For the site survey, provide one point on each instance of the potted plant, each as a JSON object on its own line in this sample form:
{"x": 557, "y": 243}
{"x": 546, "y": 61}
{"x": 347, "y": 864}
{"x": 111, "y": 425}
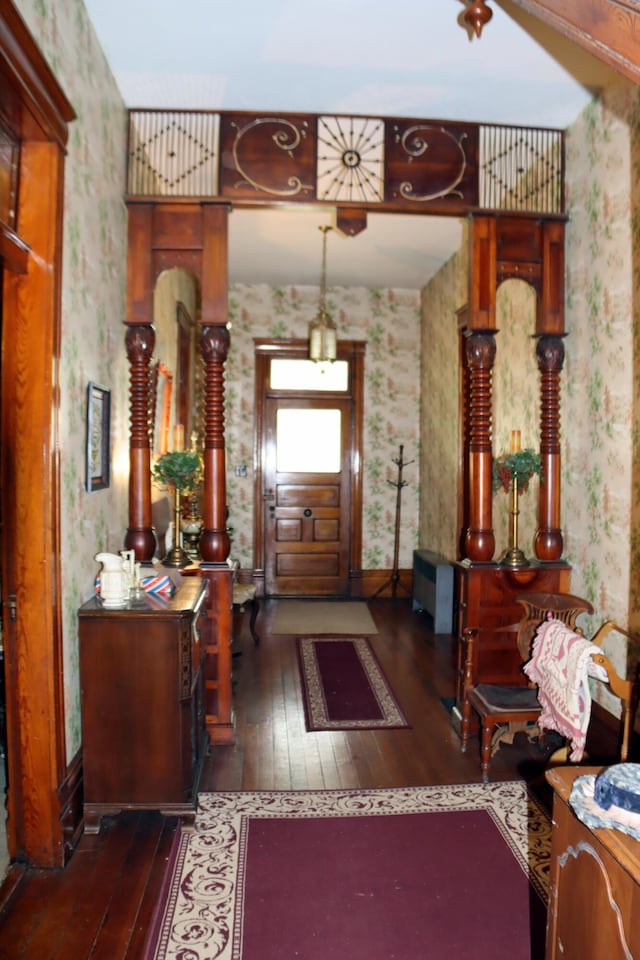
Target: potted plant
{"x": 519, "y": 465}
{"x": 180, "y": 471}
{"x": 512, "y": 472}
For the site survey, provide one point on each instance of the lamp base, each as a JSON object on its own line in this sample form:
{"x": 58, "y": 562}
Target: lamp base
{"x": 514, "y": 558}
{"x": 177, "y": 557}
{"x": 191, "y": 538}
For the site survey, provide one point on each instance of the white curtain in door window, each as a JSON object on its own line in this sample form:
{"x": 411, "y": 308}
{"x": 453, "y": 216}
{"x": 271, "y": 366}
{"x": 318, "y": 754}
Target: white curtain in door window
{"x": 308, "y": 441}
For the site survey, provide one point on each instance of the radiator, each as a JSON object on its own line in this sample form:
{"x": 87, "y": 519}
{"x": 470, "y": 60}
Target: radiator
{"x": 433, "y": 588}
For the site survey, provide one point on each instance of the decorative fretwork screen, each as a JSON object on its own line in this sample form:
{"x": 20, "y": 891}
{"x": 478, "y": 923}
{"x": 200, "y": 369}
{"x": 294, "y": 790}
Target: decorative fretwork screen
{"x": 394, "y": 164}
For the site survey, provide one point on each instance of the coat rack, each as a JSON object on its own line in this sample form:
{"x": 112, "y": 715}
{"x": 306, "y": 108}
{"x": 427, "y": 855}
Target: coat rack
{"x": 394, "y": 580}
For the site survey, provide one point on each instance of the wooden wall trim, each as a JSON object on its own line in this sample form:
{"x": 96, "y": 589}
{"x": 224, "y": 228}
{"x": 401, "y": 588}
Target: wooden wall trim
{"x": 47, "y": 109}
{"x": 31, "y": 548}
{"x": 13, "y": 252}
{"x": 36, "y": 751}
{"x": 608, "y": 29}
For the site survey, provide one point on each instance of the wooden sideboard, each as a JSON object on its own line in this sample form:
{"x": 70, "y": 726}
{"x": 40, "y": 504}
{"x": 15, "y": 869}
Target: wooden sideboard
{"x": 143, "y": 731}
{"x": 485, "y": 595}
{"x": 594, "y": 895}
{"x": 217, "y": 628}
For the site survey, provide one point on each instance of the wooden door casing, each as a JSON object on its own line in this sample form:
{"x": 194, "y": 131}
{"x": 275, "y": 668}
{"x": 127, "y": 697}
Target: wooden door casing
{"x": 324, "y": 499}
{"x": 42, "y": 802}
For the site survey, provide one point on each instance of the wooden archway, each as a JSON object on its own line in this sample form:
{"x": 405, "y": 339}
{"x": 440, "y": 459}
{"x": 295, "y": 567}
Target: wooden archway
{"x": 531, "y": 249}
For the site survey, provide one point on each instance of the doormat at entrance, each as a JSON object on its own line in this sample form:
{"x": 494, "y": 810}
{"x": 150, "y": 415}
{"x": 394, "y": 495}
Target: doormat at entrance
{"x": 344, "y": 687}
{"x": 437, "y": 871}
{"x": 310, "y": 617}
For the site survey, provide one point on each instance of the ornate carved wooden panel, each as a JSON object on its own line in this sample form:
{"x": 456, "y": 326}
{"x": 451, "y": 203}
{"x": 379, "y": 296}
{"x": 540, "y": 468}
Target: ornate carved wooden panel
{"x": 268, "y": 157}
{"x": 432, "y": 164}
{"x": 353, "y": 162}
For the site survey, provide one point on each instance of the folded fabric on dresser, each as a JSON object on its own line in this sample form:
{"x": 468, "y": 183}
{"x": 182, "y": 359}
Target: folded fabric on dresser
{"x": 561, "y": 665}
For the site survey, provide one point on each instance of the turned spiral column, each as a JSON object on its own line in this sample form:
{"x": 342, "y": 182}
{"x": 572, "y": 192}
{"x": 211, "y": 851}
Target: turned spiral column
{"x": 480, "y": 354}
{"x": 548, "y": 540}
{"x": 140, "y": 341}
{"x": 214, "y": 539}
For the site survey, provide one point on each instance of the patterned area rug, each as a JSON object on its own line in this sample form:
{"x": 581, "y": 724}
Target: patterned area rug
{"x": 311, "y": 617}
{"x": 344, "y": 687}
{"x": 419, "y": 872}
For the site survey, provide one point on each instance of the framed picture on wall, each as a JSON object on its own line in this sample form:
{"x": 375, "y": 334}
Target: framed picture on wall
{"x": 98, "y": 451}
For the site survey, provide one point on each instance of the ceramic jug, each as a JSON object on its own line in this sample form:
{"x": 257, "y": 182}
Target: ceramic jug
{"x": 114, "y": 580}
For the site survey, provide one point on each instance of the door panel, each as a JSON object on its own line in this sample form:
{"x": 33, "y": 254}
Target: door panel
{"x": 307, "y": 495}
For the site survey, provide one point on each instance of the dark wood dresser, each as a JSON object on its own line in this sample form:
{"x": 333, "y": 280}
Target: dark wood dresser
{"x": 594, "y": 895}
{"x": 143, "y": 730}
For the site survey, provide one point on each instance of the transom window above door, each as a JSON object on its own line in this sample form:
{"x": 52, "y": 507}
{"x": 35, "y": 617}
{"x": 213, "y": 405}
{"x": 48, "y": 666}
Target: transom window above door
{"x": 307, "y": 375}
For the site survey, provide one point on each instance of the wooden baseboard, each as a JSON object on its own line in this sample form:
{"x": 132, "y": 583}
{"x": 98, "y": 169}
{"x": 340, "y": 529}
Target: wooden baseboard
{"x": 362, "y": 583}
{"x": 380, "y": 583}
{"x": 70, "y": 797}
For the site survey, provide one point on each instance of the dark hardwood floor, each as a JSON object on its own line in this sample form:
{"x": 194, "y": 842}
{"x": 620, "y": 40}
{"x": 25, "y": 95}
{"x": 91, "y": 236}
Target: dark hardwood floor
{"x": 101, "y": 906}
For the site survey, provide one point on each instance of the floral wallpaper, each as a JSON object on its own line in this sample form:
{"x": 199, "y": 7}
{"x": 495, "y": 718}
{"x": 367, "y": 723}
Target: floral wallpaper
{"x": 389, "y": 322}
{"x": 93, "y": 288}
{"x": 440, "y": 428}
{"x": 516, "y": 405}
{"x": 600, "y": 383}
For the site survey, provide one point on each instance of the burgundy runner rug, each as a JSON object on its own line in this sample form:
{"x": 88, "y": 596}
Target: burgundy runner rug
{"x": 419, "y": 873}
{"x": 344, "y": 687}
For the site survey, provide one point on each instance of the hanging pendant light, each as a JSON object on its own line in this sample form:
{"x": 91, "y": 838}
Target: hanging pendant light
{"x": 323, "y": 336}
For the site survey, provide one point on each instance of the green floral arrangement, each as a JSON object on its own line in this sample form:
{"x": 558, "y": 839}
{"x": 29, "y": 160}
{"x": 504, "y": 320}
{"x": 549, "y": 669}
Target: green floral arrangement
{"x": 521, "y": 465}
{"x": 179, "y": 469}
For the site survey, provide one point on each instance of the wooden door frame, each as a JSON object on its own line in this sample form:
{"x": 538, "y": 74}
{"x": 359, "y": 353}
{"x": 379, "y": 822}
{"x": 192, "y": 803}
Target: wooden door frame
{"x": 353, "y": 351}
{"x": 34, "y": 107}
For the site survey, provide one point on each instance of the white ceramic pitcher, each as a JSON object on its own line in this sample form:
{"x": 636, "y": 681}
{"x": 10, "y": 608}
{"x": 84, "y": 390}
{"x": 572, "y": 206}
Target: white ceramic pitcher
{"x": 114, "y": 580}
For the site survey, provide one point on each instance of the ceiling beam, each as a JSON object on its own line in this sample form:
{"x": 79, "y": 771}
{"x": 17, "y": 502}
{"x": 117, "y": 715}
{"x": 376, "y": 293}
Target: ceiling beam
{"x": 608, "y": 29}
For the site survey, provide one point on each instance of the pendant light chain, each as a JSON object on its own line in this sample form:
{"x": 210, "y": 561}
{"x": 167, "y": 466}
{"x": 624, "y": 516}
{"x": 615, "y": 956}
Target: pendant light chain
{"x": 323, "y": 338}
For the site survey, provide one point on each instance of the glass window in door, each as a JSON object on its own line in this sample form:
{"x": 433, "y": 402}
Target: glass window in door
{"x": 308, "y": 441}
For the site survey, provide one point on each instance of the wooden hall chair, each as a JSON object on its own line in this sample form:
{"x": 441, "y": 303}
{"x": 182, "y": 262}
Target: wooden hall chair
{"x": 626, "y": 689}
{"x": 244, "y": 593}
{"x": 498, "y": 704}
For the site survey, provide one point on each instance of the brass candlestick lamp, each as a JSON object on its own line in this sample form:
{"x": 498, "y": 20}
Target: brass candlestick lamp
{"x": 512, "y": 473}
{"x": 180, "y": 471}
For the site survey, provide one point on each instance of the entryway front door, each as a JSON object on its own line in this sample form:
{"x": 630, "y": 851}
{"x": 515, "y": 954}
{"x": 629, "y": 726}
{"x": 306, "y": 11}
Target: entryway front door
{"x": 308, "y": 493}
{"x": 307, "y": 496}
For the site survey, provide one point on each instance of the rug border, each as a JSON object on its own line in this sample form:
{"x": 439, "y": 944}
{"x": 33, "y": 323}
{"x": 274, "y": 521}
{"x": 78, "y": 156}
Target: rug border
{"x": 394, "y": 717}
{"x": 158, "y": 931}
{"x": 214, "y": 854}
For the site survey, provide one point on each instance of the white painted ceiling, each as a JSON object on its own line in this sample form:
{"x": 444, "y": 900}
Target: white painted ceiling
{"x": 406, "y": 58}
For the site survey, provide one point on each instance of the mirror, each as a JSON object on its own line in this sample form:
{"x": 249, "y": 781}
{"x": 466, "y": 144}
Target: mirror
{"x": 176, "y": 389}
{"x": 160, "y": 421}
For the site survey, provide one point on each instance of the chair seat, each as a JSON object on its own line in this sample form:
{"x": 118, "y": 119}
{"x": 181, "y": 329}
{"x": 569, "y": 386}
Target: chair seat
{"x": 495, "y": 699}
{"x": 243, "y": 593}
